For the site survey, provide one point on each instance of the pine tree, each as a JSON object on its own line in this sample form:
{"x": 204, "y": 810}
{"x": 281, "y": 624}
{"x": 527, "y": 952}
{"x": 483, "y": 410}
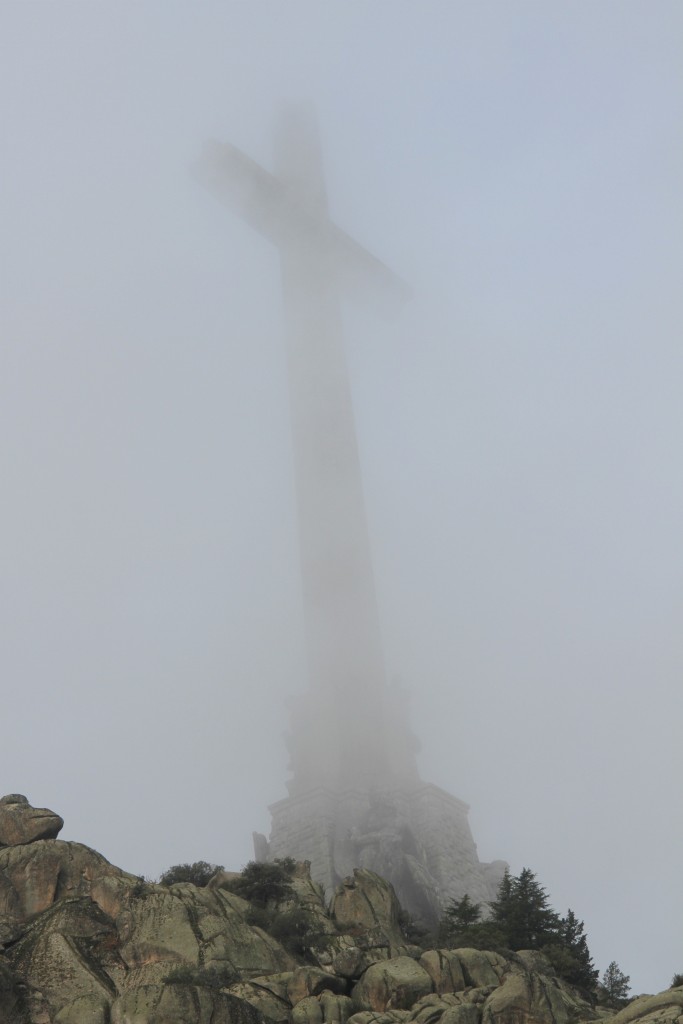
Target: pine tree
{"x": 614, "y": 987}
{"x": 462, "y": 913}
{"x": 522, "y": 913}
{"x": 521, "y": 918}
{"x": 570, "y": 955}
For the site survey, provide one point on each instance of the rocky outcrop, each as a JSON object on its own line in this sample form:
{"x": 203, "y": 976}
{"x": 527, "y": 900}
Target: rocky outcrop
{"x": 365, "y": 903}
{"x": 177, "y": 1004}
{"x": 665, "y": 1008}
{"x": 391, "y": 985}
{"x": 80, "y": 936}
{"x": 529, "y": 991}
{"x": 83, "y": 942}
{"x": 20, "y": 823}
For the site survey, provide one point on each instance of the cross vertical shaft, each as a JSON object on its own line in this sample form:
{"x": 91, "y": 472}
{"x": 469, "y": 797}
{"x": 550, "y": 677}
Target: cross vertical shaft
{"x": 340, "y": 608}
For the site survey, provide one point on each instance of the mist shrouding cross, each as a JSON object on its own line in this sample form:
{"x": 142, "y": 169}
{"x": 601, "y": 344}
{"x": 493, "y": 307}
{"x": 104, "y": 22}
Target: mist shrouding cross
{"x": 346, "y": 705}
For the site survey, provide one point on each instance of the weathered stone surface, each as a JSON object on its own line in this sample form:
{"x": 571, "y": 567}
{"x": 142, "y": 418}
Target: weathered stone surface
{"x": 184, "y": 924}
{"x": 312, "y": 981}
{"x": 349, "y": 955}
{"x": 181, "y": 1004}
{"x": 364, "y": 902}
{"x": 480, "y": 967}
{"x": 91, "y": 944}
{"x": 275, "y": 984}
{"x": 464, "y": 1013}
{"x": 308, "y": 1011}
{"x": 86, "y": 932}
{"x": 527, "y": 997}
{"x": 63, "y": 958}
{"x": 309, "y": 896}
{"x": 664, "y": 1008}
{"x": 336, "y": 1008}
{"x": 262, "y": 997}
{"x": 444, "y": 968}
{"x": 431, "y": 1008}
{"x": 10, "y": 996}
{"x": 392, "y": 985}
{"x": 370, "y": 1017}
{"x": 34, "y": 876}
{"x": 87, "y": 1009}
{"x": 20, "y": 823}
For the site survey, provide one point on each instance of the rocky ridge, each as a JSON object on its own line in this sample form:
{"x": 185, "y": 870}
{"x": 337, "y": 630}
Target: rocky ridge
{"x": 83, "y": 942}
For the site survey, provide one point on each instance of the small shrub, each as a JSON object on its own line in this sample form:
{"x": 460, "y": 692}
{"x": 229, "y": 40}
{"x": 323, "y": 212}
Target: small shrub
{"x": 413, "y": 932}
{"x": 204, "y": 977}
{"x": 198, "y": 873}
{"x": 140, "y": 887}
{"x": 263, "y": 883}
{"x": 260, "y": 917}
{"x": 294, "y": 930}
{"x": 676, "y": 981}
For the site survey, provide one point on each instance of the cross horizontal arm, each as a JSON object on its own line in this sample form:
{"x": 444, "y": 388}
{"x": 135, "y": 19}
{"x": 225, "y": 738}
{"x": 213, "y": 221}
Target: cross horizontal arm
{"x": 270, "y": 207}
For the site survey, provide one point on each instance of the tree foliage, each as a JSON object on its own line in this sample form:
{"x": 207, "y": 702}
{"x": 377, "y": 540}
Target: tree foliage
{"x": 215, "y": 977}
{"x": 294, "y": 929}
{"x": 198, "y": 873}
{"x": 264, "y": 883}
{"x": 614, "y": 988}
{"x": 570, "y": 955}
{"x": 521, "y": 909}
{"x": 521, "y": 918}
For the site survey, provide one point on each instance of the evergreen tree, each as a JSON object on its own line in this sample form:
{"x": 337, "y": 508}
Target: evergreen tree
{"x": 614, "y": 987}
{"x": 461, "y": 926}
{"x": 521, "y": 918}
{"x": 460, "y": 914}
{"x": 522, "y": 913}
{"x": 570, "y": 955}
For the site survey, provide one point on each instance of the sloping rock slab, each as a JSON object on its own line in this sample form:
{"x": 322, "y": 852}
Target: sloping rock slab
{"x": 526, "y": 997}
{"x": 367, "y": 903}
{"x": 181, "y": 1004}
{"x": 660, "y": 1009}
{"x": 444, "y": 968}
{"x": 33, "y": 877}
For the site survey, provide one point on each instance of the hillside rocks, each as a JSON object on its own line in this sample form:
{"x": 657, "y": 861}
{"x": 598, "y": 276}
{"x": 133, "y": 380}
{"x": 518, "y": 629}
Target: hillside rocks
{"x": 83, "y": 942}
{"x": 87, "y": 943}
{"x": 177, "y": 1004}
{"x": 665, "y": 1008}
{"x": 530, "y": 991}
{"x": 455, "y": 970}
{"x": 393, "y": 984}
{"x": 20, "y": 823}
{"x": 364, "y": 902}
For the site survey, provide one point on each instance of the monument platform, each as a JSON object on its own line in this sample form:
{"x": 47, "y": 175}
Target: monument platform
{"x": 416, "y": 836}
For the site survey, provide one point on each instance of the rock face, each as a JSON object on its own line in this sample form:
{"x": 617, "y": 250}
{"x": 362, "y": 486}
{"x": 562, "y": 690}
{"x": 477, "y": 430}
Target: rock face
{"x": 20, "y": 823}
{"x": 86, "y": 942}
{"x": 83, "y": 942}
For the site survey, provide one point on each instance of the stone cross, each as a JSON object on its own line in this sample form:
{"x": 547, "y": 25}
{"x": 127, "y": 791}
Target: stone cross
{"x": 318, "y": 260}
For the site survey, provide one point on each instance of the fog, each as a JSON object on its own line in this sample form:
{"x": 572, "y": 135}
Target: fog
{"x": 519, "y": 425}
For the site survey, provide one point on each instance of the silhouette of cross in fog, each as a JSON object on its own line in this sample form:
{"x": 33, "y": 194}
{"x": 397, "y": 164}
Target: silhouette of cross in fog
{"x": 318, "y": 260}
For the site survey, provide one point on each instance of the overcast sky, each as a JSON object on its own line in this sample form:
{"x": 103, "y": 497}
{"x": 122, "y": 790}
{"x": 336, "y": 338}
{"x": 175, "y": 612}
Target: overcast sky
{"x": 519, "y": 164}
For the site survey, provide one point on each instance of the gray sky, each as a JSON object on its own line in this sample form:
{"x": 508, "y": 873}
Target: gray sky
{"x": 519, "y": 163}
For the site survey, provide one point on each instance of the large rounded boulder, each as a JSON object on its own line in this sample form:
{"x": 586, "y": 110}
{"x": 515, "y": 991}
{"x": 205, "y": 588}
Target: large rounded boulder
{"x": 20, "y": 823}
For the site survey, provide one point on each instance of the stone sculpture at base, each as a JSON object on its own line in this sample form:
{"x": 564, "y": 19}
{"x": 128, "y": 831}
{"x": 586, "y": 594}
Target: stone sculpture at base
{"x": 418, "y": 837}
